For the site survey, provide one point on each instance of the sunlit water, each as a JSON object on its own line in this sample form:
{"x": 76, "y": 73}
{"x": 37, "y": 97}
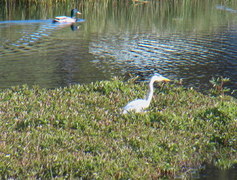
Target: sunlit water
{"x": 123, "y": 39}
{"x": 194, "y": 59}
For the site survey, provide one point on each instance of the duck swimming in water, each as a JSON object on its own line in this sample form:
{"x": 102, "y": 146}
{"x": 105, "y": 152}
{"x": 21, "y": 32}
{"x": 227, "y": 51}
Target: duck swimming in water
{"x": 65, "y": 19}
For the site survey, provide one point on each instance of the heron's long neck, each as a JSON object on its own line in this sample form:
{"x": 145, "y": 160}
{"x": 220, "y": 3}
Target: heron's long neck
{"x": 150, "y": 93}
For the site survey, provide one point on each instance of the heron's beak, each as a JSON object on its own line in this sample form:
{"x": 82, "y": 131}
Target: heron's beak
{"x": 166, "y": 79}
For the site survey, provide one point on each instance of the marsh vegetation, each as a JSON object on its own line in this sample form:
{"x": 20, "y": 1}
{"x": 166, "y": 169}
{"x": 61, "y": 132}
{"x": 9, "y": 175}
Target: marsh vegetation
{"x": 79, "y": 131}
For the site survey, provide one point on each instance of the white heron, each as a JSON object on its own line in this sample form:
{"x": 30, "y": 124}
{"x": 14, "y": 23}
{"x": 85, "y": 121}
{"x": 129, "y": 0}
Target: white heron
{"x": 138, "y": 105}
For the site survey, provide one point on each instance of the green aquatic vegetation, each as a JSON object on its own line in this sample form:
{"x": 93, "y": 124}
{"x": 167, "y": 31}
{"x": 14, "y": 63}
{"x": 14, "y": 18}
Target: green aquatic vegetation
{"x": 79, "y": 132}
{"x": 218, "y": 85}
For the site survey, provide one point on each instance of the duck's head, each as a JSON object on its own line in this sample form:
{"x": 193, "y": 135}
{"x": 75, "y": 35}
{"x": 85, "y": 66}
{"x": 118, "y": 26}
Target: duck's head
{"x": 74, "y": 12}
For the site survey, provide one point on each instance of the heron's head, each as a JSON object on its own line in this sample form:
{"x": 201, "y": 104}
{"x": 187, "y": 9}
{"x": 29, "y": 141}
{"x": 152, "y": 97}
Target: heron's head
{"x": 159, "y": 78}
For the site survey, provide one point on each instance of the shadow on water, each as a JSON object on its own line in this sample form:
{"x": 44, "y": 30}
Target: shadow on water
{"x": 211, "y": 172}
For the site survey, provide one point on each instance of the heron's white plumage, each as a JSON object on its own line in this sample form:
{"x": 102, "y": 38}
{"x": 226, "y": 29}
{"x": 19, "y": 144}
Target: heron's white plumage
{"x": 139, "y": 105}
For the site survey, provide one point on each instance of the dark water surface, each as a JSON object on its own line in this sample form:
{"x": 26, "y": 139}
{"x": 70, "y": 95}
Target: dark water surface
{"x": 213, "y": 173}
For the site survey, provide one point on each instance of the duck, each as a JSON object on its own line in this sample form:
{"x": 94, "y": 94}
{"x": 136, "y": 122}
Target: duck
{"x": 65, "y": 19}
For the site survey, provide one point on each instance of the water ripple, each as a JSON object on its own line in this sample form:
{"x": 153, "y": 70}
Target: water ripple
{"x": 193, "y": 58}
{"x": 34, "y": 34}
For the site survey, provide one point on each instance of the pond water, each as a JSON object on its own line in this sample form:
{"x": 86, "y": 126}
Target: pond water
{"x": 213, "y": 173}
{"x": 193, "y": 41}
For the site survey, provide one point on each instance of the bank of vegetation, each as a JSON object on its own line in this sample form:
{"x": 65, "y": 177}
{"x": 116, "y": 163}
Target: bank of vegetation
{"x": 79, "y": 132}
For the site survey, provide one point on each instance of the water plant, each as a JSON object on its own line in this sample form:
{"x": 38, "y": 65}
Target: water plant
{"x": 218, "y": 85}
{"x": 80, "y": 132}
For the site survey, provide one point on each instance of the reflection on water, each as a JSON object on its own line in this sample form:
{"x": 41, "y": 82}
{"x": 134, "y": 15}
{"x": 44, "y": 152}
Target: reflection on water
{"x": 32, "y": 32}
{"x": 119, "y": 38}
{"x": 194, "y": 59}
{"x": 224, "y": 8}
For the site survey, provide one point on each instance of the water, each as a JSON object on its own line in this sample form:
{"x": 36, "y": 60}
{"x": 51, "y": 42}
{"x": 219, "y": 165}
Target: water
{"x": 211, "y": 172}
{"x": 117, "y": 39}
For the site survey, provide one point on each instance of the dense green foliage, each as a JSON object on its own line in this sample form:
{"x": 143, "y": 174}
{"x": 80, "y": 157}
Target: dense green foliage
{"x": 79, "y": 131}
